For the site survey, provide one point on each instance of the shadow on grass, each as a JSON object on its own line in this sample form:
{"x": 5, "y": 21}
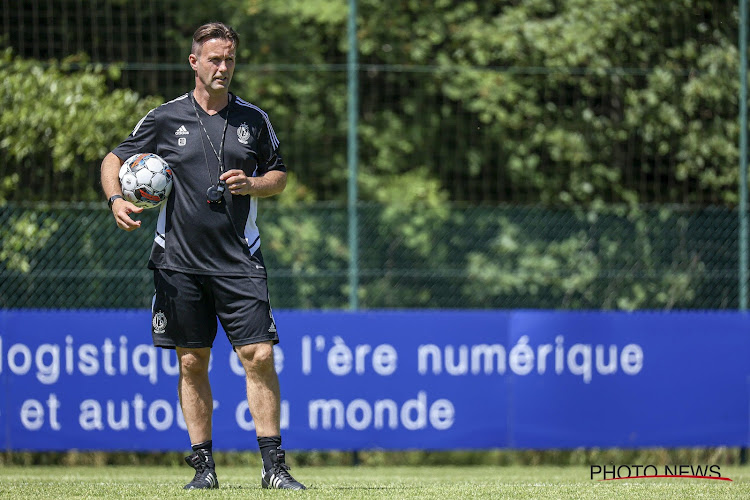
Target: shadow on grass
{"x": 341, "y": 488}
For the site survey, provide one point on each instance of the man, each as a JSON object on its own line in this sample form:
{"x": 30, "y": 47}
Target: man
{"x": 206, "y": 253}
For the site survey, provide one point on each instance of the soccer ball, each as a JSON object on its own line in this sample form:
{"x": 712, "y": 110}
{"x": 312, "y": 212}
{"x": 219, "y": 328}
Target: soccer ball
{"x": 146, "y": 180}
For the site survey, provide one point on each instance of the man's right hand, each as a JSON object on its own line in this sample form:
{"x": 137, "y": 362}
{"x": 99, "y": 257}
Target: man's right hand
{"x": 122, "y": 209}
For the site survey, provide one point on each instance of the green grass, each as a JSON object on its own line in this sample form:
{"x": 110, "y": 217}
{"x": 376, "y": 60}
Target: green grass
{"x": 435, "y": 483}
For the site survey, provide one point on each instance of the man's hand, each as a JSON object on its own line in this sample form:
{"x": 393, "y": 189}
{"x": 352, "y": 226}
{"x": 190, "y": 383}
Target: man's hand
{"x": 122, "y": 209}
{"x": 237, "y": 182}
{"x": 268, "y": 184}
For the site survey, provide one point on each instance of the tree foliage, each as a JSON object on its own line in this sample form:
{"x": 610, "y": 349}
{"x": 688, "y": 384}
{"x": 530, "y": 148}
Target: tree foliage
{"x": 587, "y": 100}
{"x": 579, "y": 105}
{"x": 556, "y": 102}
{"x": 57, "y": 124}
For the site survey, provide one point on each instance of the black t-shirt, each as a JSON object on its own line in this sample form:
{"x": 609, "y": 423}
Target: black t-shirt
{"x": 192, "y": 235}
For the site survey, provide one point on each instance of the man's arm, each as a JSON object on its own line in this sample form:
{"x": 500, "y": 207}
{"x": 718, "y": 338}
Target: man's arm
{"x": 268, "y": 184}
{"x": 121, "y": 208}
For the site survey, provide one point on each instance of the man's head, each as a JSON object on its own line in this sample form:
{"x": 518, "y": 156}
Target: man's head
{"x": 213, "y": 57}
{"x": 210, "y": 31}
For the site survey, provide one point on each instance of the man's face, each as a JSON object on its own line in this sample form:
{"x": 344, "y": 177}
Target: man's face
{"x": 214, "y": 65}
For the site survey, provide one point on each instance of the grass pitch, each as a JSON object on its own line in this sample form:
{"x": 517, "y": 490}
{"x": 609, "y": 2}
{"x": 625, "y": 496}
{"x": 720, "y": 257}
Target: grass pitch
{"x": 435, "y": 483}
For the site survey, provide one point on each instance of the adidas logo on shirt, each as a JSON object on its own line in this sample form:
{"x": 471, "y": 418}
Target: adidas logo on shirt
{"x": 181, "y": 131}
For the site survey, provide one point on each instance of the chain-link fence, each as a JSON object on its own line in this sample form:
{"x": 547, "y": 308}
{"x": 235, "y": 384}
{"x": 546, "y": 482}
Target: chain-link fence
{"x": 511, "y": 154}
{"x": 454, "y": 257}
{"x": 494, "y": 108}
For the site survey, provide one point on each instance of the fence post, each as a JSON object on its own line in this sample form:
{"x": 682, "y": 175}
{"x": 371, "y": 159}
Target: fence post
{"x": 743, "y": 157}
{"x": 743, "y": 173}
{"x": 353, "y": 114}
{"x": 351, "y": 148}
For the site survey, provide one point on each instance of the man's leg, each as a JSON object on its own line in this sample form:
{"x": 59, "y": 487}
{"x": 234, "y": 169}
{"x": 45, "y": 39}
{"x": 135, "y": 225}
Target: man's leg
{"x": 264, "y": 401}
{"x": 263, "y": 396}
{"x": 196, "y": 400}
{"x": 194, "y": 390}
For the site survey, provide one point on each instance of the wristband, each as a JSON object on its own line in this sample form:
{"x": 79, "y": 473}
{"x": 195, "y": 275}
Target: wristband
{"x": 113, "y": 198}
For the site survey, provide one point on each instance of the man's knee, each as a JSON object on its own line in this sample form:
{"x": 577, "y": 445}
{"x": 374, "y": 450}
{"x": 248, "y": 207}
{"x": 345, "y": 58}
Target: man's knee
{"x": 256, "y": 358}
{"x": 194, "y": 362}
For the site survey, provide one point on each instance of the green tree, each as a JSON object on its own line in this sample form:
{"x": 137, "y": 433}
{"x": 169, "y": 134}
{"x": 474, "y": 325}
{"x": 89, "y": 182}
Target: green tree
{"x": 572, "y": 105}
{"x": 57, "y": 124}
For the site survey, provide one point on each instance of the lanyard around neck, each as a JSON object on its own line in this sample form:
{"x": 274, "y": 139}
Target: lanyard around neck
{"x": 220, "y": 154}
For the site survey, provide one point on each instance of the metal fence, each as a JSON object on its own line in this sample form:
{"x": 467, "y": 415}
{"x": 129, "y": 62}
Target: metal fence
{"x": 528, "y": 186}
{"x": 454, "y": 257}
{"x": 661, "y": 130}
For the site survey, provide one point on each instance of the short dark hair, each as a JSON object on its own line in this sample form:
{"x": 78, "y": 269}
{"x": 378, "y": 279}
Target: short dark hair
{"x": 210, "y": 31}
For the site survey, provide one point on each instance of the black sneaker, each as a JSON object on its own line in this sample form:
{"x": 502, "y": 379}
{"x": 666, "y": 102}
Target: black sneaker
{"x": 278, "y": 476}
{"x": 205, "y": 471}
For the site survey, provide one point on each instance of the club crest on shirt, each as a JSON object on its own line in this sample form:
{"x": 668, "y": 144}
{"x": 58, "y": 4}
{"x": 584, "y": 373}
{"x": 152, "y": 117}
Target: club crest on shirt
{"x": 243, "y": 133}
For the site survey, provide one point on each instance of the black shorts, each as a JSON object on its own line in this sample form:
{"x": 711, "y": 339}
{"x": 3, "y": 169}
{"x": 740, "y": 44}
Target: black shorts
{"x": 185, "y": 308}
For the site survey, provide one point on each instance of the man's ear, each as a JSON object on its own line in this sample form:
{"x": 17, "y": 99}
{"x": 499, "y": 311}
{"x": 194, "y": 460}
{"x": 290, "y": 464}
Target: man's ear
{"x": 193, "y": 59}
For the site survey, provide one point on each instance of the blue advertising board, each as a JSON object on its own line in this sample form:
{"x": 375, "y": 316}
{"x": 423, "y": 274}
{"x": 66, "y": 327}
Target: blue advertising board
{"x": 91, "y": 380}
